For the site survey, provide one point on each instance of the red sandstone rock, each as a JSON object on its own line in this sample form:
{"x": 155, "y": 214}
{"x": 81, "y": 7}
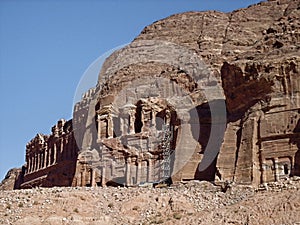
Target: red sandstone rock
{"x": 167, "y": 93}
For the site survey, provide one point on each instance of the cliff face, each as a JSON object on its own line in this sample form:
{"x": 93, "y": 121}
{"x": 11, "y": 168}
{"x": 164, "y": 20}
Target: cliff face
{"x": 198, "y": 95}
{"x": 254, "y": 55}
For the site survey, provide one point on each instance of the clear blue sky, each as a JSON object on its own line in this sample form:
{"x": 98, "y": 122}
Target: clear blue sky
{"x": 45, "y": 47}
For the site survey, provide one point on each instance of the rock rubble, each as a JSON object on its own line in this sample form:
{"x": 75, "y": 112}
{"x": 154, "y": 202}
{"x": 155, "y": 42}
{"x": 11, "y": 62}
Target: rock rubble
{"x": 192, "y": 202}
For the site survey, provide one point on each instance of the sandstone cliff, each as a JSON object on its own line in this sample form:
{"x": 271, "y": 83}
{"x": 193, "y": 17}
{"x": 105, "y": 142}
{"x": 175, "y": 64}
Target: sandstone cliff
{"x": 224, "y": 86}
{"x": 254, "y": 54}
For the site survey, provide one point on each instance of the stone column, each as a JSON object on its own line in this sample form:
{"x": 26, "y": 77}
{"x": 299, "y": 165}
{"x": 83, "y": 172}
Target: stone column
{"x": 41, "y": 160}
{"x": 49, "y": 156}
{"x": 132, "y": 119}
{"x": 110, "y": 128}
{"x": 83, "y": 183}
{"x": 292, "y": 166}
{"x": 138, "y": 172}
{"x": 35, "y": 161}
{"x": 103, "y": 183}
{"x": 93, "y": 178}
{"x": 61, "y": 150}
{"x": 31, "y": 162}
{"x": 127, "y": 172}
{"x": 122, "y": 125}
{"x": 46, "y": 158}
{"x": 263, "y": 172}
{"x": 131, "y": 124}
{"x": 168, "y": 117}
{"x": 54, "y": 153}
{"x": 276, "y": 169}
{"x": 28, "y": 164}
{"x": 149, "y": 171}
{"x": 38, "y": 161}
{"x": 99, "y": 127}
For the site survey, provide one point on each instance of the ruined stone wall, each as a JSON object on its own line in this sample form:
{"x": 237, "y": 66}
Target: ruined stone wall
{"x": 50, "y": 159}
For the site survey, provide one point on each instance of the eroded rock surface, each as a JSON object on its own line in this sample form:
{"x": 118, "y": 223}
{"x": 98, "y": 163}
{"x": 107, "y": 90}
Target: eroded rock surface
{"x": 217, "y": 92}
{"x": 191, "y": 202}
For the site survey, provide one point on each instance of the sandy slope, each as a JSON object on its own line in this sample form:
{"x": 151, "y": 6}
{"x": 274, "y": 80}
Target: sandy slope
{"x": 190, "y": 203}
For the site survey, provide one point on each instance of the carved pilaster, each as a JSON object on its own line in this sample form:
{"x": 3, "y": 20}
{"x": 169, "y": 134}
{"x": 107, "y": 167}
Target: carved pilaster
{"x": 93, "y": 178}
{"x": 28, "y": 160}
{"x": 41, "y": 159}
{"x": 149, "y": 170}
{"x": 61, "y": 157}
{"x": 127, "y": 172}
{"x": 30, "y": 163}
{"x": 103, "y": 182}
{"x": 36, "y": 161}
{"x": 110, "y": 129}
{"x": 263, "y": 172}
{"x": 45, "y": 158}
{"x": 138, "y": 172}
{"x": 49, "y": 156}
{"x": 99, "y": 127}
{"x": 292, "y": 166}
{"x": 54, "y": 153}
{"x": 276, "y": 169}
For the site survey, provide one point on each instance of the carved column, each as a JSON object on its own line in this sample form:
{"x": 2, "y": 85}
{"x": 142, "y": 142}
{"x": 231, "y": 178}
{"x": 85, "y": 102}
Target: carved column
{"x": 263, "y": 172}
{"x": 138, "y": 172}
{"x": 61, "y": 157}
{"x": 127, "y": 172}
{"x": 276, "y": 169}
{"x": 31, "y": 162}
{"x": 168, "y": 117}
{"x": 131, "y": 124}
{"x": 28, "y": 164}
{"x": 54, "y": 153}
{"x": 99, "y": 126}
{"x": 35, "y": 161}
{"x": 49, "y": 156}
{"x": 292, "y": 166}
{"x": 41, "y": 159}
{"x": 83, "y": 183}
{"x": 110, "y": 128}
{"x": 149, "y": 170}
{"x": 93, "y": 178}
{"x": 103, "y": 183}
{"x": 131, "y": 112}
{"x": 46, "y": 158}
{"x": 122, "y": 124}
